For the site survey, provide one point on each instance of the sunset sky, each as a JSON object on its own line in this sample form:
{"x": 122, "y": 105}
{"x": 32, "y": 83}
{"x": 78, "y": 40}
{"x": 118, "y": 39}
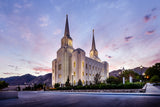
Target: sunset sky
{"x": 127, "y": 32}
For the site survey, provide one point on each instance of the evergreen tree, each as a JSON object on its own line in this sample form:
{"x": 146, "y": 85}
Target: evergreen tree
{"x": 97, "y": 78}
{"x": 79, "y": 82}
{"x": 68, "y": 83}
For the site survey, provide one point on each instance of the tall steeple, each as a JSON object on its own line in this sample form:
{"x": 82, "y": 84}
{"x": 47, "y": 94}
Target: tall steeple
{"x": 66, "y": 41}
{"x": 93, "y": 51}
{"x": 66, "y": 32}
{"x": 93, "y": 42}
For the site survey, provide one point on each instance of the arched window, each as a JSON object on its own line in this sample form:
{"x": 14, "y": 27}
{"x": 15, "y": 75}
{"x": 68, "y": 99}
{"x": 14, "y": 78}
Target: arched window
{"x": 59, "y": 76}
{"x": 82, "y": 63}
{"x": 74, "y": 64}
{"x": 74, "y": 82}
{"x": 82, "y": 81}
{"x": 83, "y": 73}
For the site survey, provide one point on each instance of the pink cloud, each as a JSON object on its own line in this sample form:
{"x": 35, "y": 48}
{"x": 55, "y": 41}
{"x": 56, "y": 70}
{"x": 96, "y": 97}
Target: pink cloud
{"x": 42, "y": 69}
{"x": 154, "y": 17}
{"x": 11, "y": 73}
{"x": 150, "y": 32}
{"x": 155, "y": 61}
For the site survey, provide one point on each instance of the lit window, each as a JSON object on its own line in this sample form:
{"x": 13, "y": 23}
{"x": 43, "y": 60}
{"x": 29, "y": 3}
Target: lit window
{"x": 82, "y": 73}
{"x": 74, "y": 82}
{"x": 59, "y": 67}
{"x": 74, "y": 73}
{"x": 89, "y": 74}
{"x": 82, "y": 81}
{"x": 82, "y": 63}
{"x": 59, "y": 76}
{"x": 74, "y": 64}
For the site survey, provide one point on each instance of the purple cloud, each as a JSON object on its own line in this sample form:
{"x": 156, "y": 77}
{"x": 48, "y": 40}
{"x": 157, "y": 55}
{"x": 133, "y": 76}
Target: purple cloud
{"x": 147, "y": 17}
{"x": 154, "y": 9}
{"x": 108, "y": 56}
{"x": 128, "y": 38}
{"x": 10, "y": 73}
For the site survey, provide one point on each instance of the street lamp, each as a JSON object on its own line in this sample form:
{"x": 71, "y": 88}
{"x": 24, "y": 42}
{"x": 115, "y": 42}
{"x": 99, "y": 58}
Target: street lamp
{"x": 141, "y": 71}
{"x": 123, "y": 75}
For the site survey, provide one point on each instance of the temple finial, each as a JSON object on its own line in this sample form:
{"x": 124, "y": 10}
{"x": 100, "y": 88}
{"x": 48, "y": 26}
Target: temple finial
{"x": 67, "y": 33}
{"x": 93, "y": 42}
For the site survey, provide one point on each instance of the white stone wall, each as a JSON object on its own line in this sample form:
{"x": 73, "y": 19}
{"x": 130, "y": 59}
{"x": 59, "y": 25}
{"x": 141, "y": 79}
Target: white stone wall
{"x": 54, "y": 71}
{"x": 78, "y": 66}
{"x": 67, "y": 57}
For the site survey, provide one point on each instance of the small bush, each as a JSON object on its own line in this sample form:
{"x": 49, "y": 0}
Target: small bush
{"x": 79, "y": 82}
{"x": 56, "y": 85}
{"x": 113, "y": 80}
{"x": 155, "y": 79}
{"x": 3, "y": 84}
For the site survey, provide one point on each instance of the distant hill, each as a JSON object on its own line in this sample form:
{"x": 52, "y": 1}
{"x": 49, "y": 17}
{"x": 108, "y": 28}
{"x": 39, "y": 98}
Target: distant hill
{"x": 137, "y": 70}
{"x": 29, "y": 79}
{"x": 47, "y": 79}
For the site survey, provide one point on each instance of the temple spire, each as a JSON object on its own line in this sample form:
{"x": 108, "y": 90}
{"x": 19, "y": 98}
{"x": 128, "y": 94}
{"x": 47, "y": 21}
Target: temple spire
{"x": 93, "y": 42}
{"x": 66, "y": 33}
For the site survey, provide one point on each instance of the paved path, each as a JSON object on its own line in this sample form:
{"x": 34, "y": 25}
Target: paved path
{"x": 152, "y": 89}
{"x": 71, "y": 99}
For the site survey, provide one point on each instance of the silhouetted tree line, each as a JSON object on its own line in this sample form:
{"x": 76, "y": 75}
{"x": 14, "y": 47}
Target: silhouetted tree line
{"x": 3, "y": 84}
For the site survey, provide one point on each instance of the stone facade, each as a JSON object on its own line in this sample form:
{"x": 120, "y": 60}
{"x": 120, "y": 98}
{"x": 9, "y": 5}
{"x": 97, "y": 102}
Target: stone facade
{"x": 74, "y": 63}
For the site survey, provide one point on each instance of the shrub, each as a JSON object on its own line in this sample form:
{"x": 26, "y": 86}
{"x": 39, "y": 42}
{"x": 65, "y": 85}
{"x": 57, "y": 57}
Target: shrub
{"x": 56, "y": 85}
{"x": 3, "y": 84}
{"x": 155, "y": 79}
{"x": 113, "y": 80}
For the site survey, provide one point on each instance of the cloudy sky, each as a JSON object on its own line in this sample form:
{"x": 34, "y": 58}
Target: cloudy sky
{"x": 127, "y": 32}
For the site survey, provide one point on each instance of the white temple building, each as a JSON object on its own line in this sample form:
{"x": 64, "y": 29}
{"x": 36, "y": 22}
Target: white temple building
{"x": 74, "y": 63}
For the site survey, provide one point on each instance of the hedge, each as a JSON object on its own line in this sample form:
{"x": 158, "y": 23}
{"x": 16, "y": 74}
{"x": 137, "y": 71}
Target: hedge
{"x": 136, "y": 85}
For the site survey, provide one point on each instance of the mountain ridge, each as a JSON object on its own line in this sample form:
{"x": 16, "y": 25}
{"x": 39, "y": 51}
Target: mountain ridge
{"x": 46, "y": 79}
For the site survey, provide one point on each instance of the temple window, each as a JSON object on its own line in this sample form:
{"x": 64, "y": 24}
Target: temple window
{"x": 82, "y": 73}
{"x": 59, "y": 67}
{"x": 59, "y": 76}
{"x": 74, "y": 64}
{"x": 82, "y": 63}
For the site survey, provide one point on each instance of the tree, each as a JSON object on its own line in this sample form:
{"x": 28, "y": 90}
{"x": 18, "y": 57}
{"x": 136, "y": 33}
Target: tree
{"x": 154, "y": 70}
{"x": 67, "y": 82}
{"x": 79, "y": 82}
{"x": 128, "y": 73}
{"x": 155, "y": 79}
{"x": 3, "y": 84}
{"x": 97, "y": 78}
{"x": 113, "y": 80}
{"x": 56, "y": 85}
